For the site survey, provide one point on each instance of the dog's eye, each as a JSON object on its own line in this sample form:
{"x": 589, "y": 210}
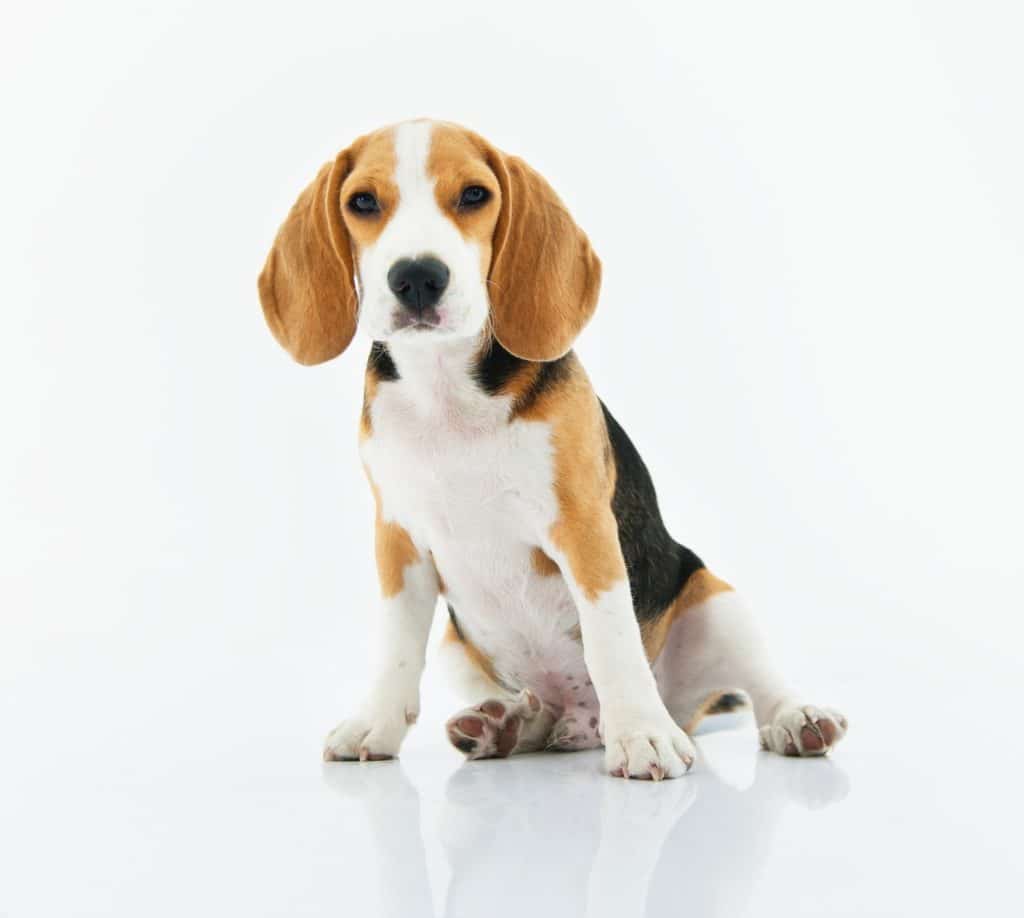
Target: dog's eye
{"x": 363, "y": 203}
{"x": 473, "y": 196}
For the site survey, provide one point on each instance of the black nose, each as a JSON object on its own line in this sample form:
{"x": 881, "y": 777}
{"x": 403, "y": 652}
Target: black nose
{"x": 418, "y": 283}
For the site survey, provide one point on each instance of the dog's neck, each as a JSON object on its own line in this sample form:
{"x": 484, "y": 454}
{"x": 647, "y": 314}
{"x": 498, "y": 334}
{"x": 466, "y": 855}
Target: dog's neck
{"x": 455, "y": 381}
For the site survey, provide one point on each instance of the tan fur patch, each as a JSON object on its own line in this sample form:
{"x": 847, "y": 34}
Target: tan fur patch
{"x": 542, "y": 564}
{"x": 394, "y": 547}
{"x": 373, "y": 170}
{"x": 475, "y": 655}
{"x": 307, "y": 286}
{"x": 544, "y": 276}
{"x": 585, "y": 531}
{"x": 370, "y": 385}
{"x": 520, "y": 383}
{"x": 700, "y": 585}
{"x": 457, "y": 160}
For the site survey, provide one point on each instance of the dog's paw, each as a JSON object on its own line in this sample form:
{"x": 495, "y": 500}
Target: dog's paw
{"x": 648, "y": 751}
{"x": 803, "y": 730}
{"x": 367, "y": 737}
{"x": 492, "y": 730}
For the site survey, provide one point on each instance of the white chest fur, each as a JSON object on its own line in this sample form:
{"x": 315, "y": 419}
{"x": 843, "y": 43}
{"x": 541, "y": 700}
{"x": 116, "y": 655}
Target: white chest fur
{"x": 477, "y": 493}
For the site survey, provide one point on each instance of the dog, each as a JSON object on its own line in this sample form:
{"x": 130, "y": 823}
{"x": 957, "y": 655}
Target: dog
{"x": 501, "y": 482}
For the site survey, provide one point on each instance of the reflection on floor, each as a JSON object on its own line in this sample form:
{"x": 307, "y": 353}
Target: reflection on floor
{"x": 550, "y": 834}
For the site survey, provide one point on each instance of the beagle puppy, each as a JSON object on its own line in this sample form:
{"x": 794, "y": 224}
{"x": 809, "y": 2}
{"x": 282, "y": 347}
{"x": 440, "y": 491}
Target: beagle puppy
{"x": 502, "y": 483}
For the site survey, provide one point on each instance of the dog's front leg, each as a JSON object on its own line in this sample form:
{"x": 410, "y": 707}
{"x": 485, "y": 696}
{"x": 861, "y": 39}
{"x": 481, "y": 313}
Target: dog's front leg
{"x": 641, "y": 739}
{"x": 409, "y": 586}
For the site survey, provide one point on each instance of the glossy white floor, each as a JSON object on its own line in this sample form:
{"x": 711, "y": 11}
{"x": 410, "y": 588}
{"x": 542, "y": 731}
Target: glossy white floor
{"x": 177, "y": 772}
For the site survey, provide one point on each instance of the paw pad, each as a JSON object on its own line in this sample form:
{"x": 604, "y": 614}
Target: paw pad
{"x": 493, "y": 709}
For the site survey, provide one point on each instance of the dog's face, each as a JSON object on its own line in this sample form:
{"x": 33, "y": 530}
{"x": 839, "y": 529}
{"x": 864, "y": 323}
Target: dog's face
{"x": 424, "y": 231}
{"x": 420, "y": 206}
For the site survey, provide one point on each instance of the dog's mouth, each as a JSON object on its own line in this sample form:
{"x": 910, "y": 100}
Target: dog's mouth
{"x": 426, "y": 320}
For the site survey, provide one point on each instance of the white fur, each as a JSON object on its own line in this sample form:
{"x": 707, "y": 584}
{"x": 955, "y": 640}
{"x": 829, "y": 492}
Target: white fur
{"x": 392, "y": 702}
{"x": 716, "y": 646}
{"x": 476, "y": 492}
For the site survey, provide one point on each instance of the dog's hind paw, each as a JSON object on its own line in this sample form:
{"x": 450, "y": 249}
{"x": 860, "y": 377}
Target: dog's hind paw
{"x": 803, "y": 730}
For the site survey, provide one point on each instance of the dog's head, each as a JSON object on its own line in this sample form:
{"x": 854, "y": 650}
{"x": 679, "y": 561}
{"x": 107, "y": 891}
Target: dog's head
{"x": 426, "y": 231}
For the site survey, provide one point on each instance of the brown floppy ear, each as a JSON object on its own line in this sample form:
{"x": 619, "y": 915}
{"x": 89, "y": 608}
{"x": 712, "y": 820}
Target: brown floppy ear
{"x": 306, "y": 286}
{"x": 544, "y": 276}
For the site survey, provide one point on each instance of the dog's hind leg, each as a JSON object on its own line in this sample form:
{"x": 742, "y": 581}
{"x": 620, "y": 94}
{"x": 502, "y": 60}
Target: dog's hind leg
{"x": 711, "y": 653}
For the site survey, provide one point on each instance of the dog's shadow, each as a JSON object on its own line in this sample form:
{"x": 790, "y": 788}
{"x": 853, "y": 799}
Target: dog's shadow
{"x": 551, "y": 834}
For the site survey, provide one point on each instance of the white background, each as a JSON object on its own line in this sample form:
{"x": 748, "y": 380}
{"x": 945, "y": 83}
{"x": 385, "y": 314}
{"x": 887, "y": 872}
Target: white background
{"x": 810, "y": 217}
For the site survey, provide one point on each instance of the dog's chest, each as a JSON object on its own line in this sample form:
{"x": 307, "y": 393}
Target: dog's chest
{"x": 478, "y": 493}
{"x": 448, "y": 478}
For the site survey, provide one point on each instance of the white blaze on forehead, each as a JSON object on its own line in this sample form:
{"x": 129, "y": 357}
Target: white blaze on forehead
{"x": 412, "y": 149}
{"x": 418, "y": 225}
